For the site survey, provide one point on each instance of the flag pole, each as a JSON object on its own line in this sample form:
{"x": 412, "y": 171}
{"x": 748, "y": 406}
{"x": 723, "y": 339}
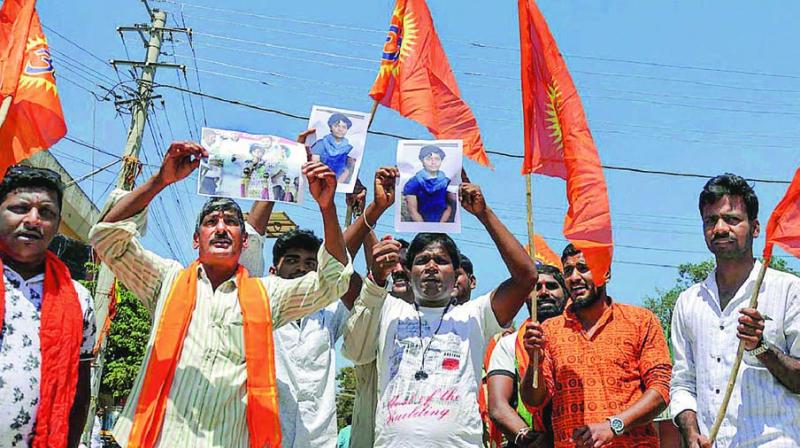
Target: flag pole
{"x": 348, "y": 217}
{"x": 4, "y": 106}
{"x": 739, "y": 353}
{"x": 532, "y": 251}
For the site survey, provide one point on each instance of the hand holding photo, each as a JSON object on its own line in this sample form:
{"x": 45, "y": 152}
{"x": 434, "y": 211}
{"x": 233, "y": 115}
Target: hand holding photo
{"x": 430, "y": 174}
{"x": 248, "y": 166}
{"x": 339, "y": 142}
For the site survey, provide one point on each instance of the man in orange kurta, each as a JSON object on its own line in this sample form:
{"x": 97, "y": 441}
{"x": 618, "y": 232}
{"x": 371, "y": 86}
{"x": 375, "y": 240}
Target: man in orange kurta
{"x": 605, "y": 366}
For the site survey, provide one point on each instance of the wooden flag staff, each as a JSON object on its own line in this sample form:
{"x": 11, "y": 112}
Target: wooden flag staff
{"x": 532, "y": 251}
{"x": 739, "y": 353}
{"x": 348, "y": 217}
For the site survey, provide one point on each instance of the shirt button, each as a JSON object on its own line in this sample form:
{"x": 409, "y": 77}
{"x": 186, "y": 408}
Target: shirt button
{"x": 717, "y": 391}
{"x": 722, "y": 327}
{"x": 719, "y": 359}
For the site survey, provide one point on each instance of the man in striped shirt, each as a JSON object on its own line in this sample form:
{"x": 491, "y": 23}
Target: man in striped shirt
{"x": 711, "y": 317}
{"x": 207, "y": 400}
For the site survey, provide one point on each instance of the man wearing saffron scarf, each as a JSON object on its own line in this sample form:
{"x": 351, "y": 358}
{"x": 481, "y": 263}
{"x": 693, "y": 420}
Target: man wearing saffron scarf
{"x": 426, "y": 196}
{"x": 47, "y": 320}
{"x": 334, "y": 149}
{"x": 208, "y": 376}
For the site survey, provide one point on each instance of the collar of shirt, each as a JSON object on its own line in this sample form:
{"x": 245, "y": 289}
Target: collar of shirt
{"x": 230, "y": 283}
{"x": 573, "y": 322}
{"x": 711, "y": 287}
{"x": 31, "y": 289}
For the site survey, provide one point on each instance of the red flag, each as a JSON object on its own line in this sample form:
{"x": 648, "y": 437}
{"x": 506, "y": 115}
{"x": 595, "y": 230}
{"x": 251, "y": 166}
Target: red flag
{"x": 558, "y": 142}
{"x": 415, "y": 79}
{"x": 783, "y": 227}
{"x": 34, "y": 121}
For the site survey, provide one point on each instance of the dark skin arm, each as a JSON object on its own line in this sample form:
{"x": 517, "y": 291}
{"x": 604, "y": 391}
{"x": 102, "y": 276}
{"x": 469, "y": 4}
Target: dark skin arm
{"x": 322, "y": 185}
{"x": 643, "y": 411}
{"x": 509, "y": 297}
{"x": 181, "y": 159}
{"x": 690, "y": 431}
{"x": 383, "y": 198}
{"x": 80, "y": 407}
{"x": 501, "y": 390}
{"x": 785, "y": 368}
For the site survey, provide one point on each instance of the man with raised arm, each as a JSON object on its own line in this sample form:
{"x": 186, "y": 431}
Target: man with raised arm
{"x": 429, "y": 353}
{"x": 711, "y": 317}
{"x": 208, "y": 376}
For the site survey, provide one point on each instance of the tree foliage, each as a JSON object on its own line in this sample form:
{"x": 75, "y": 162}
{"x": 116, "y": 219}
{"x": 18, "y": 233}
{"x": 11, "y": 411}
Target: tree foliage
{"x": 345, "y": 395}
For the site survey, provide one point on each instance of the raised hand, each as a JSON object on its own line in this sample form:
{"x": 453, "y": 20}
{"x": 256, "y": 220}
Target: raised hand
{"x": 385, "y": 181}
{"x": 533, "y": 339}
{"x": 180, "y": 160}
{"x": 472, "y": 199}
{"x": 321, "y": 182}
{"x": 357, "y": 198}
{"x": 301, "y": 138}
{"x": 385, "y": 255}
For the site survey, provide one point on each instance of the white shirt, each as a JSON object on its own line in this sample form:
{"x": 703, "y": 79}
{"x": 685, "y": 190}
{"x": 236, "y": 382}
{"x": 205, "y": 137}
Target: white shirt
{"x": 762, "y": 412}
{"x": 21, "y": 356}
{"x": 504, "y": 356}
{"x": 440, "y": 410}
{"x": 305, "y": 364}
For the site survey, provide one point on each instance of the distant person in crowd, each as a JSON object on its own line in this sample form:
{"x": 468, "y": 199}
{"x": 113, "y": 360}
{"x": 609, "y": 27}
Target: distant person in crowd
{"x": 255, "y": 178}
{"x": 711, "y": 317}
{"x": 429, "y": 353}
{"x": 213, "y": 382}
{"x": 343, "y": 441}
{"x": 425, "y": 195}
{"x": 604, "y": 366}
{"x": 465, "y": 281}
{"x": 510, "y": 417}
{"x": 47, "y": 323}
{"x": 334, "y": 149}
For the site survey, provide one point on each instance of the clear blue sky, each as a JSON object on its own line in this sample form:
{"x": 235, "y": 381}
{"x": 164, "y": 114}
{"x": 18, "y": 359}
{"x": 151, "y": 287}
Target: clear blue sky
{"x": 705, "y": 89}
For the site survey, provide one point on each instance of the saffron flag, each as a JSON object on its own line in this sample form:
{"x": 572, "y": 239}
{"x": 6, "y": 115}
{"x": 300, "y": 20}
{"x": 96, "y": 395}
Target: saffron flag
{"x": 544, "y": 254}
{"x": 416, "y": 80}
{"x": 34, "y": 120}
{"x": 783, "y": 227}
{"x": 558, "y": 142}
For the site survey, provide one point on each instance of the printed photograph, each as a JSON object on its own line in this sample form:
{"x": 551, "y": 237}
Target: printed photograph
{"x": 430, "y": 175}
{"x": 249, "y": 166}
{"x": 339, "y": 142}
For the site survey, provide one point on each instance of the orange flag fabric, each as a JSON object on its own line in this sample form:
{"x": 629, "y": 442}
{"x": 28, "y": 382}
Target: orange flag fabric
{"x": 416, "y": 80}
{"x": 34, "y": 121}
{"x": 544, "y": 254}
{"x": 783, "y": 227}
{"x": 558, "y": 142}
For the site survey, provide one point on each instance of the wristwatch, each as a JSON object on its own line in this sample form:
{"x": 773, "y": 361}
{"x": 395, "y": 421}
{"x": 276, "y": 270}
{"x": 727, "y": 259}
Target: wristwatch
{"x": 617, "y": 425}
{"x": 762, "y": 347}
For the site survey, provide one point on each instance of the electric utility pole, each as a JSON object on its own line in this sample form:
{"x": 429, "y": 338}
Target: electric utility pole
{"x": 152, "y": 35}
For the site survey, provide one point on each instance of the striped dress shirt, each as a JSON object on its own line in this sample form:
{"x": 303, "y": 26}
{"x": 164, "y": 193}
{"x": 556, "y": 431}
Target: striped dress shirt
{"x": 762, "y": 412}
{"x": 207, "y": 400}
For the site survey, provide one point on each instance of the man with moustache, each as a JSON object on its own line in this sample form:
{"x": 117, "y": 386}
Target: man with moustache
{"x": 605, "y": 366}
{"x": 510, "y": 417}
{"x": 711, "y": 317}
{"x": 208, "y": 375}
{"x": 47, "y": 324}
{"x": 429, "y": 353}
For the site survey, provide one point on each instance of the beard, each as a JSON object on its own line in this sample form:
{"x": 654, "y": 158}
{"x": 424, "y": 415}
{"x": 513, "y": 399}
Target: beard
{"x": 587, "y": 301}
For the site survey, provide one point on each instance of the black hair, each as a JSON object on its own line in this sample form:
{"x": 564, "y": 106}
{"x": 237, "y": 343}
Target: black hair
{"x": 295, "y": 239}
{"x": 337, "y": 117}
{"x": 403, "y": 243}
{"x": 555, "y": 272}
{"x": 423, "y": 240}
{"x": 430, "y": 149}
{"x": 23, "y": 176}
{"x": 730, "y": 185}
{"x": 217, "y": 204}
{"x": 466, "y": 264}
{"x": 569, "y": 251}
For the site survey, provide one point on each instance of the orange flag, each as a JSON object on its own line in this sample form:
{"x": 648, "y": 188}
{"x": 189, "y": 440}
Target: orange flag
{"x": 783, "y": 227}
{"x": 558, "y": 142}
{"x": 544, "y": 254}
{"x": 415, "y": 79}
{"x": 34, "y": 120}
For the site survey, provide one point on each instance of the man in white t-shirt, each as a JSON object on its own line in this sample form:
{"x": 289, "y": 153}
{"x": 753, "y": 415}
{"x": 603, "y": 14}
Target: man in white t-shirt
{"x": 429, "y": 353}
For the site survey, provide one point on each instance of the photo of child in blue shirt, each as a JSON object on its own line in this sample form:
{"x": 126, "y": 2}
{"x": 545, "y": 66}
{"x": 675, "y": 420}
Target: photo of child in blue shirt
{"x": 334, "y": 149}
{"x": 425, "y": 195}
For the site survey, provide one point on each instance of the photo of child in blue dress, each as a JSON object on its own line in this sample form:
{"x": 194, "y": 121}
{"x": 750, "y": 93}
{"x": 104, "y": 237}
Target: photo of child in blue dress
{"x": 425, "y": 195}
{"x": 334, "y": 149}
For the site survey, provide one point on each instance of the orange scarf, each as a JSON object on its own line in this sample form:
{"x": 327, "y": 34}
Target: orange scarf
{"x": 60, "y": 334}
{"x": 262, "y": 393}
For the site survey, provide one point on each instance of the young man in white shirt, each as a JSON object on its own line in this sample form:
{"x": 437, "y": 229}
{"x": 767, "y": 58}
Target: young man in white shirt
{"x": 429, "y": 353}
{"x": 711, "y": 317}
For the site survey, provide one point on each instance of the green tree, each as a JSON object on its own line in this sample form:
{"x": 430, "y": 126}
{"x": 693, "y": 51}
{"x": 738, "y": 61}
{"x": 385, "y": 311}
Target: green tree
{"x": 663, "y": 301}
{"x": 345, "y": 395}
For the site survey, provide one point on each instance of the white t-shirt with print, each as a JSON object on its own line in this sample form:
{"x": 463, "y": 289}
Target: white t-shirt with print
{"x": 440, "y": 410}
{"x": 21, "y": 356}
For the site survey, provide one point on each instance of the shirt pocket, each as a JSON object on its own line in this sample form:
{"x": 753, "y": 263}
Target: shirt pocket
{"x": 232, "y": 346}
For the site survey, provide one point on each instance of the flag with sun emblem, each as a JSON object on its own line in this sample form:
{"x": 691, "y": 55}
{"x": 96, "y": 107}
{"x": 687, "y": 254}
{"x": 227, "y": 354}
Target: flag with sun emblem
{"x": 558, "y": 142}
{"x": 416, "y": 80}
{"x": 34, "y": 120}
